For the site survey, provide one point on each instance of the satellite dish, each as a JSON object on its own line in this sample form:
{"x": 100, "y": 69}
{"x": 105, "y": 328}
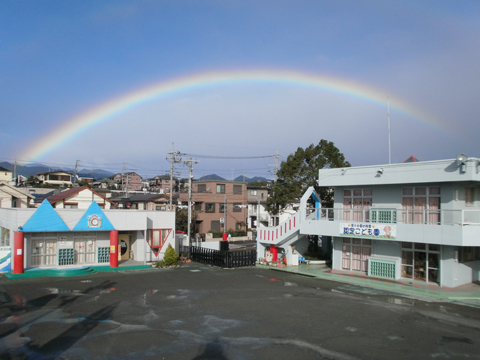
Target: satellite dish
{"x": 461, "y": 158}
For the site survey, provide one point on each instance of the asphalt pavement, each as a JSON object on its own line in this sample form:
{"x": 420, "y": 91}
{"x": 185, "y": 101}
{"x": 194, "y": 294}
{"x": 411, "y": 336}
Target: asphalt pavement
{"x": 201, "y": 312}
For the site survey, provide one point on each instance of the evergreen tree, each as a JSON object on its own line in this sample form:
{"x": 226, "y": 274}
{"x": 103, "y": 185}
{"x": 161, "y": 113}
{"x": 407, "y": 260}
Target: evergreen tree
{"x": 170, "y": 256}
{"x": 300, "y": 171}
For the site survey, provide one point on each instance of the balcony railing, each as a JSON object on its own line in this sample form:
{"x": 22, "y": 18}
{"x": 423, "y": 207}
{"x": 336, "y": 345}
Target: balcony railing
{"x": 398, "y": 216}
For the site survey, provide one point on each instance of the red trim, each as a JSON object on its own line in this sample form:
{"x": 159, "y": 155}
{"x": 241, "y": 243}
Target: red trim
{"x": 162, "y": 241}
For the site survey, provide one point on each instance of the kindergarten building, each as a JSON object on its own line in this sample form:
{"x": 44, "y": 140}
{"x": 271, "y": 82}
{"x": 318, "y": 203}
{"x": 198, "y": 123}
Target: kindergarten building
{"x": 46, "y": 237}
{"x": 414, "y": 221}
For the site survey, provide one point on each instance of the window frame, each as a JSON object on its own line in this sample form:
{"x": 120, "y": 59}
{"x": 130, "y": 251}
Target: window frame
{"x": 221, "y": 186}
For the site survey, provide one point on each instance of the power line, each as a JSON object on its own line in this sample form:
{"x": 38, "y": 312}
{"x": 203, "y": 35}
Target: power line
{"x": 226, "y": 157}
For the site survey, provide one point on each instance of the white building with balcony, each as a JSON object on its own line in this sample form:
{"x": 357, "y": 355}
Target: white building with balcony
{"x": 417, "y": 221}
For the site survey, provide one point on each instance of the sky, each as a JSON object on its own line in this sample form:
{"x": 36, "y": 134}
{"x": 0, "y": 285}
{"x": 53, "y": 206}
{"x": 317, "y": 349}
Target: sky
{"x": 410, "y": 64}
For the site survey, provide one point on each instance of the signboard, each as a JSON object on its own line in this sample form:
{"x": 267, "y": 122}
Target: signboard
{"x": 369, "y": 230}
{"x": 94, "y": 221}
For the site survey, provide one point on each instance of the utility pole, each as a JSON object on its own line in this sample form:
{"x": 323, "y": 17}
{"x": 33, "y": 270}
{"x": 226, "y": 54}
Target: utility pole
{"x": 276, "y": 165}
{"x": 258, "y": 213}
{"x": 75, "y": 174}
{"x": 389, "y": 143}
{"x": 15, "y": 172}
{"x": 224, "y": 217}
{"x": 174, "y": 158}
{"x": 123, "y": 176}
{"x": 190, "y": 163}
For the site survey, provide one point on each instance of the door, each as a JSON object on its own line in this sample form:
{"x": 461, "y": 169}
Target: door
{"x": 124, "y": 246}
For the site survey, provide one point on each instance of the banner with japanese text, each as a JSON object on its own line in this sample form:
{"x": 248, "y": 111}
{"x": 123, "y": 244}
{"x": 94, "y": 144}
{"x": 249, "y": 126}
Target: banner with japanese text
{"x": 379, "y": 231}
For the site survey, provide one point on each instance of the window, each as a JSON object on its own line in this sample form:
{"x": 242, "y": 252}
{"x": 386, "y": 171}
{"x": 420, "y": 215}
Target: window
{"x": 469, "y": 196}
{"x": 197, "y": 206}
{"x": 237, "y": 189}
{"x": 236, "y": 207}
{"x": 238, "y": 226}
{"x": 71, "y": 205}
{"x": 201, "y": 188}
{"x": 253, "y": 192}
{"x": 44, "y": 249}
{"x": 469, "y": 253}
{"x": 209, "y": 207}
{"x": 4, "y": 237}
{"x": 355, "y": 254}
{"x": 156, "y": 238}
{"x": 421, "y": 205}
{"x": 421, "y": 261}
{"x": 220, "y": 188}
{"x": 221, "y": 208}
{"x": 356, "y": 204}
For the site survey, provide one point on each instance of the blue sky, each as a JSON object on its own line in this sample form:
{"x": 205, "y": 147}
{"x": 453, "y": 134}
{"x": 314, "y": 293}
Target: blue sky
{"x": 58, "y": 59}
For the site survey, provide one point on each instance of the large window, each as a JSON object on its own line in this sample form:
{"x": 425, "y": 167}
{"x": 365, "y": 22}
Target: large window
{"x": 157, "y": 237}
{"x": 421, "y": 261}
{"x": 421, "y": 205}
{"x": 237, "y": 207}
{"x": 356, "y": 204}
{"x": 84, "y": 248}
{"x": 469, "y": 253}
{"x": 201, "y": 188}
{"x": 44, "y": 249}
{"x": 210, "y": 207}
{"x": 355, "y": 254}
{"x": 220, "y": 188}
{"x": 237, "y": 189}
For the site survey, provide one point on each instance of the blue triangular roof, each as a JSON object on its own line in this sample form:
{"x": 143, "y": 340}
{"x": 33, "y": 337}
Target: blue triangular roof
{"x": 45, "y": 218}
{"x": 94, "y": 220}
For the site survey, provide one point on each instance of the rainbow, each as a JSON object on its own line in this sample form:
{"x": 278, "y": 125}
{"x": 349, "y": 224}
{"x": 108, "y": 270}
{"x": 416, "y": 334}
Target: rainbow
{"x": 109, "y": 110}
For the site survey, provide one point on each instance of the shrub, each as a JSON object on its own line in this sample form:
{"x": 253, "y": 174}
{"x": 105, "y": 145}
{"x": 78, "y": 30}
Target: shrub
{"x": 171, "y": 256}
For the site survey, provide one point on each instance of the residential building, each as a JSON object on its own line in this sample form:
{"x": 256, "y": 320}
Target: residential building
{"x": 158, "y": 202}
{"x": 212, "y": 200}
{"x": 5, "y": 174}
{"x": 12, "y": 197}
{"x": 79, "y": 198}
{"x": 85, "y": 178}
{"x": 161, "y": 184}
{"x": 128, "y": 181}
{"x": 414, "y": 221}
{"x": 56, "y": 178}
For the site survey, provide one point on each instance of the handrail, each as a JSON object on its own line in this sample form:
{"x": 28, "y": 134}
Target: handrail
{"x": 397, "y": 216}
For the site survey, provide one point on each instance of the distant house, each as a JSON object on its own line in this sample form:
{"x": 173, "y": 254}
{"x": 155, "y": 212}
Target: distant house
{"x": 158, "y": 202}
{"x": 5, "y": 174}
{"x": 79, "y": 198}
{"x": 11, "y": 197}
{"x": 85, "y": 178}
{"x": 161, "y": 184}
{"x": 105, "y": 184}
{"x": 56, "y": 178}
{"x": 128, "y": 181}
{"x": 215, "y": 199}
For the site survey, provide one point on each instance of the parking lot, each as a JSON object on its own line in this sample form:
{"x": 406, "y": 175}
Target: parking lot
{"x": 201, "y": 312}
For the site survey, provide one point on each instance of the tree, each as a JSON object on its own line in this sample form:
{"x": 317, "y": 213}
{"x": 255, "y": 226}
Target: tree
{"x": 170, "y": 256}
{"x": 300, "y": 171}
{"x": 181, "y": 221}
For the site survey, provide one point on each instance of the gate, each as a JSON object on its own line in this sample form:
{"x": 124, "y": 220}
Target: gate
{"x": 223, "y": 259}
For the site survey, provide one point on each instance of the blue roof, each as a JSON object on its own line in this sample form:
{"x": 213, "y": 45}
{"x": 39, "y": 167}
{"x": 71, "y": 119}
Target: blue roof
{"x": 94, "y": 220}
{"x": 45, "y": 218}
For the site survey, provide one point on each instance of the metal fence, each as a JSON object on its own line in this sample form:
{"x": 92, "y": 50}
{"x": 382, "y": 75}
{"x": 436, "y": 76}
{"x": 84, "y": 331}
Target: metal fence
{"x": 223, "y": 259}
